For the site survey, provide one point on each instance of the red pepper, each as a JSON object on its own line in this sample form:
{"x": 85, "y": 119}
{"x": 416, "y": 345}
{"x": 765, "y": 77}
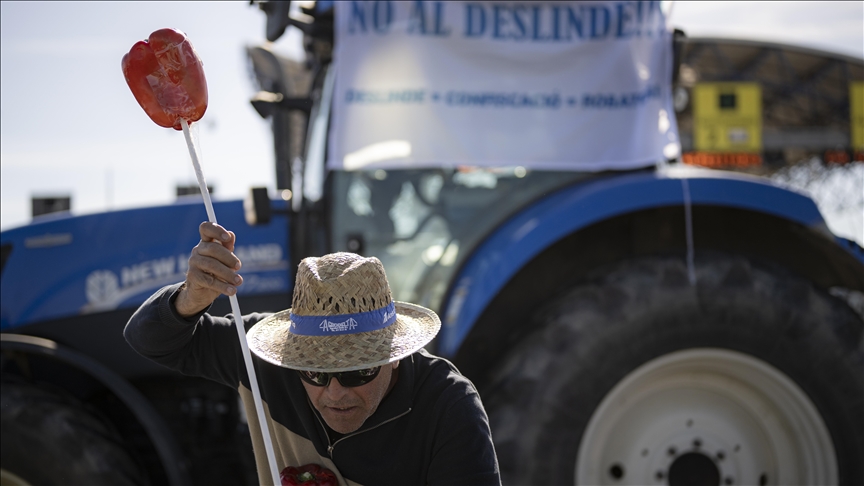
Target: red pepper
{"x": 167, "y": 78}
{"x": 308, "y": 475}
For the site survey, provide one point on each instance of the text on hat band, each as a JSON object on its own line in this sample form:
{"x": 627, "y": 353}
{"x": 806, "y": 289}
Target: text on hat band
{"x": 343, "y": 323}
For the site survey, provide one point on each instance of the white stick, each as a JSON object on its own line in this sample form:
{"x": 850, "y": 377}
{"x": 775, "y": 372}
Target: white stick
{"x": 238, "y": 321}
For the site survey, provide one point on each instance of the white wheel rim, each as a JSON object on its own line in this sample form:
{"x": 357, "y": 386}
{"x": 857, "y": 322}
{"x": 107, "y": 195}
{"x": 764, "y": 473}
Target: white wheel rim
{"x": 690, "y": 409}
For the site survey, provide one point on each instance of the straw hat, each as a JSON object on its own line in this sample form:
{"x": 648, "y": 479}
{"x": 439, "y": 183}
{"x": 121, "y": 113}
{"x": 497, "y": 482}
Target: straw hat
{"x": 342, "y": 318}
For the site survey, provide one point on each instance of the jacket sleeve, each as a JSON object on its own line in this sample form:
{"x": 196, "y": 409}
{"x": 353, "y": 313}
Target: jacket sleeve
{"x": 202, "y": 345}
{"x": 464, "y": 453}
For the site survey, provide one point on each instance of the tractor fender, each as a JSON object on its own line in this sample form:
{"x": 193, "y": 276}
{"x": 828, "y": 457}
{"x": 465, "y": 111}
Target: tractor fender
{"x": 512, "y": 245}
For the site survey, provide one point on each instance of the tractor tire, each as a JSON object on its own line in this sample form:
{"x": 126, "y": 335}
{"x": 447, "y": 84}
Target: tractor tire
{"x": 51, "y": 438}
{"x": 750, "y": 376}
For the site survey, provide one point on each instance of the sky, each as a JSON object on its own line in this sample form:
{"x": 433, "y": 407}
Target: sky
{"x": 70, "y": 126}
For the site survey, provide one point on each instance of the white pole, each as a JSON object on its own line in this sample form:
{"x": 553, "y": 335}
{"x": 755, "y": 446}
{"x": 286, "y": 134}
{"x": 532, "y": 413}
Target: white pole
{"x": 238, "y": 321}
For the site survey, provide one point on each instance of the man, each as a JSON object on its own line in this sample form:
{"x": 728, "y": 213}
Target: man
{"x": 343, "y": 376}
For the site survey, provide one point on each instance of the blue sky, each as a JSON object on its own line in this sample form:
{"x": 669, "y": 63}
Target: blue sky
{"x": 69, "y": 125}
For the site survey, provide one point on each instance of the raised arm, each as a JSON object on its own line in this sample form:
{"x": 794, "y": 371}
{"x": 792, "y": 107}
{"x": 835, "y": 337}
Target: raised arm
{"x": 212, "y": 270}
{"x": 172, "y": 328}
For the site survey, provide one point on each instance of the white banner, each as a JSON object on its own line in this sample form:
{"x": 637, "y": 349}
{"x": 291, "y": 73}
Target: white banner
{"x": 544, "y": 85}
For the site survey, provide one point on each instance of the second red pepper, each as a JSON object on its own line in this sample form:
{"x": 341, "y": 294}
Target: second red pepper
{"x": 308, "y": 475}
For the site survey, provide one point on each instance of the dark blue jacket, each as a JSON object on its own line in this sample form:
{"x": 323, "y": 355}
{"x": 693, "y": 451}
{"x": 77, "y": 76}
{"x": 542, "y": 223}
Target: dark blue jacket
{"x": 430, "y": 429}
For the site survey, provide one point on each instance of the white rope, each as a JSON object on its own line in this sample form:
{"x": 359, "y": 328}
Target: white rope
{"x": 688, "y": 227}
{"x": 238, "y": 321}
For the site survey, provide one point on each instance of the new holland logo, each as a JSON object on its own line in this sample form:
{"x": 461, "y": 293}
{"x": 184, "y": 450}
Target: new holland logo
{"x": 330, "y": 326}
{"x": 106, "y": 289}
{"x": 101, "y": 286}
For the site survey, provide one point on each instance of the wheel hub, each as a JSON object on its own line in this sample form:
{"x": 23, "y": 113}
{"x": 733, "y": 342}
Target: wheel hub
{"x": 694, "y": 469}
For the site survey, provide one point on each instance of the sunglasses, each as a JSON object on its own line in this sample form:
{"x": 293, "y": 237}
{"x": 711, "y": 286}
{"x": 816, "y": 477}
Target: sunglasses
{"x": 346, "y": 378}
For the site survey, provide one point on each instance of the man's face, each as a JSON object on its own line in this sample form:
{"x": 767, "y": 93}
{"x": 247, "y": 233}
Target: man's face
{"x": 345, "y": 409}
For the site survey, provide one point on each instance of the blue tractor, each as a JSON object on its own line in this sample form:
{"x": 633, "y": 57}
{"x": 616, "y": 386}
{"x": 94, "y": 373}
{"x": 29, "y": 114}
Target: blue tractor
{"x": 659, "y": 325}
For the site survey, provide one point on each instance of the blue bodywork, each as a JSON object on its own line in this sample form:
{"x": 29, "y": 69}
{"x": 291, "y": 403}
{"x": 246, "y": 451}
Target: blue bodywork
{"x": 66, "y": 266}
{"x": 540, "y": 225}
{"x": 115, "y": 260}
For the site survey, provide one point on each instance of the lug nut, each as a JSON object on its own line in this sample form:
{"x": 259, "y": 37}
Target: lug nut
{"x": 616, "y": 471}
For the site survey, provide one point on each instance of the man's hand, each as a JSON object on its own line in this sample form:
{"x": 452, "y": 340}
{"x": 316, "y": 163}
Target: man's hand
{"x": 212, "y": 270}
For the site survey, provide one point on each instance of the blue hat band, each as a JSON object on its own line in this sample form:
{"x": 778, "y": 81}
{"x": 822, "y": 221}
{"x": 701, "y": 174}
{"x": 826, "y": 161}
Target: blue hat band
{"x": 343, "y": 323}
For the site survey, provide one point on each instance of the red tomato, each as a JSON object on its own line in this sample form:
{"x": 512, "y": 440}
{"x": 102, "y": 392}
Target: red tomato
{"x": 308, "y": 475}
{"x": 167, "y": 78}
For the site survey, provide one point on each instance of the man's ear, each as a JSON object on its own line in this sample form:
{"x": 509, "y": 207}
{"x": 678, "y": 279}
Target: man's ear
{"x": 395, "y": 364}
